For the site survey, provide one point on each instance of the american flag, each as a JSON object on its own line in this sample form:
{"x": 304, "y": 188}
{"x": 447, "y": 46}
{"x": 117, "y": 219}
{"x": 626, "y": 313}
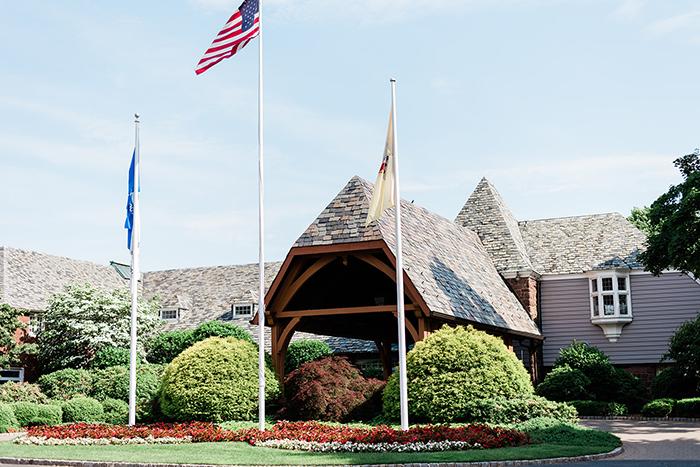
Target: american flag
{"x": 240, "y": 29}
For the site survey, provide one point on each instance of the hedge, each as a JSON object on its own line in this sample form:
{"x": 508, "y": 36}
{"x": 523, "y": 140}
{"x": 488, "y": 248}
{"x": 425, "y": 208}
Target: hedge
{"x": 687, "y": 408}
{"x": 7, "y": 418}
{"x": 658, "y": 408}
{"x": 504, "y": 411}
{"x": 215, "y": 380}
{"x": 30, "y": 414}
{"x": 11, "y": 392}
{"x": 305, "y": 350}
{"x": 82, "y": 409}
{"x": 112, "y": 356}
{"x": 66, "y": 384}
{"x": 116, "y": 412}
{"x": 564, "y": 384}
{"x": 672, "y": 383}
{"x": 552, "y": 431}
{"x": 453, "y": 367}
{"x": 599, "y": 408}
{"x": 113, "y": 383}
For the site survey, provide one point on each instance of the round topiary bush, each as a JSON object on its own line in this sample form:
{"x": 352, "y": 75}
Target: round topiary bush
{"x": 305, "y": 350}
{"x": 82, "y": 409}
{"x": 215, "y": 380}
{"x": 22, "y": 392}
{"x": 65, "y": 384}
{"x": 116, "y": 411}
{"x": 30, "y": 414}
{"x": 7, "y": 418}
{"x": 453, "y": 367}
{"x": 113, "y": 383}
{"x": 218, "y": 329}
{"x": 564, "y": 384}
{"x": 331, "y": 389}
{"x": 658, "y": 408}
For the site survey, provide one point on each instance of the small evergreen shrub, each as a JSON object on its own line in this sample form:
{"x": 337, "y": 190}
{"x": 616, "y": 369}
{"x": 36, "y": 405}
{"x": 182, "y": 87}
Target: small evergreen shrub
{"x": 30, "y": 414}
{"x": 220, "y": 329}
{"x": 658, "y": 408}
{"x": 65, "y": 384}
{"x": 453, "y": 367}
{"x": 305, "y": 350}
{"x": 215, "y": 380}
{"x": 599, "y": 408}
{"x": 112, "y": 356}
{"x": 7, "y": 418}
{"x": 505, "y": 411}
{"x": 564, "y": 384}
{"x": 11, "y": 392}
{"x": 116, "y": 411}
{"x": 113, "y": 383}
{"x": 672, "y": 383}
{"x": 167, "y": 345}
{"x": 82, "y": 409}
{"x": 553, "y": 431}
{"x": 629, "y": 390}
{"x": 687, "y": 408}
{"x": 593, "y": 363}
{"x": 684, "y": 349}
{"x": 331, "y": 389}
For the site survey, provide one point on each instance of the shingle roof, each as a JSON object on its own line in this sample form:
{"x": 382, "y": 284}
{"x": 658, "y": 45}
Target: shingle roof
{"x": 207, "y": 293}
{"x": 447, "y": 263}
{"x": 570, "y": 245}
{"x": 29, "y": 278}
{"x": 486, "y": 214}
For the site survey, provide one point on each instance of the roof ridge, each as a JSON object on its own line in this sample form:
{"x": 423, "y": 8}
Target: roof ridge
{"x": 200, "y": 268}
{"x": 613, "y": 213}
{"x": 74, "y": 260}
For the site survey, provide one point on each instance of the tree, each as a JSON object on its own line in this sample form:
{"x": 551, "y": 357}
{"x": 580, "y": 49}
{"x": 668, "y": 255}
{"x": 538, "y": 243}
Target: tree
{"x": 12, "y": 352}
{"x": 684, "y": 348}
{"x": 81, "y": 320}
{"x": 674, "y": 240}
{"x": 639, "y": 217}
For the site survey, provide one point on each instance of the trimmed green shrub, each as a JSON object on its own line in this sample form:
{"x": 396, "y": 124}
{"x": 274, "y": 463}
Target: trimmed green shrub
{"x": 331, "y": 389}
{"x": 687, "y": 408}
{"x": 215, "y": 380}
{"x": 629, "y": 390}
{"x": 305, "y": 350}
{"x": 552, "y": 431}
{"x": 684, "y": 348}
{"x": 564, "y": 384}
{"x": 503, "y": 411}
{"x": 82, "y": 409}
{"x": 22, "y": 392}
{"x": 67, "y": 383}
{"x": 112, "y": 356}
{"x": 219, "y": 329}
{"x": 116, "y": 412}
{"x": 113, "y": 383}
{"x": 593, "y": 363}
{"x": 167, "y": 345}
{"x": 453, "y": 367}
{"x": 599, "y": 408}
{"x": 7, "y": 418}
{"x": 30, "y": 414}
{"x": 658, "y": 408}
{"x": 672, "y": 383}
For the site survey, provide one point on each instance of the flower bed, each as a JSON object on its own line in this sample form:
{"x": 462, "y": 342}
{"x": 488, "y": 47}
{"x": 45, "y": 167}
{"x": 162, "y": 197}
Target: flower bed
{"x": 309, "y": 436}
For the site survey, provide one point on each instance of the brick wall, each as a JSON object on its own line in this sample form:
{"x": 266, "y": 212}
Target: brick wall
{"x": 525, "y": 288}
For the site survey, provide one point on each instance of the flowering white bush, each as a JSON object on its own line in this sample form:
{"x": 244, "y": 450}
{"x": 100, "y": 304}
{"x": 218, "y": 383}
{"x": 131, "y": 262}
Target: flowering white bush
{"x": 296, "y": 445}
{"x": 43, "y": 441}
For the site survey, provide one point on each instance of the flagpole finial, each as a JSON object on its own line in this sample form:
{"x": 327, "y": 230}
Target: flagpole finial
{"x": 137, "y": 117}
{"x": 393, "y": 80}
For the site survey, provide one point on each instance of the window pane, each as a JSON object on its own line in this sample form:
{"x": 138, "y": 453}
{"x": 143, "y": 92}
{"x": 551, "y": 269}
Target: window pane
{"x": 623, "y": 304}
{"x": 608, "y": 305}
{"x": 594, "y": 285}
{"x": 243, "y": 310}
{"x": 621, "y": 283}
{"x": 596, "y": 309}
{"x": 607, "y": 283}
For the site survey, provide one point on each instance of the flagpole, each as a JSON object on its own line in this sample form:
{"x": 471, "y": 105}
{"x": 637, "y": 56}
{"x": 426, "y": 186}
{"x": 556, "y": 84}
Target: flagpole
{"x": 135, "y": 272}
{"x": 261, "y": 233}
{"x": 401, "y": 315}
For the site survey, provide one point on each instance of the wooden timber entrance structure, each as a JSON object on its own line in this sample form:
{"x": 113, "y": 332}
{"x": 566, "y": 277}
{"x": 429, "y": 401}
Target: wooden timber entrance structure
{"x": 344, "y": 290}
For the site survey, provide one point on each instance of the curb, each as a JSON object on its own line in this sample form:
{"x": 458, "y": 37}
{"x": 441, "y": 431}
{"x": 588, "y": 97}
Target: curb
{"x": 512, "y": 463}
{"x": 640, "y": 418}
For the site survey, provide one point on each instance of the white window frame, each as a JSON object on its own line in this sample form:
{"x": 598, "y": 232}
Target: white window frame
{"x": 178, "y": 313}
{"x": 7, "y": 379}
{"x": 236, "y": 306}
{"x": 35, "y": 325}
{"x": 597, "y": 295}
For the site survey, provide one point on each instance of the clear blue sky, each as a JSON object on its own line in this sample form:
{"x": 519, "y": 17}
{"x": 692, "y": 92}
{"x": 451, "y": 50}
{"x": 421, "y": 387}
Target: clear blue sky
{"x": 569, "y": 107}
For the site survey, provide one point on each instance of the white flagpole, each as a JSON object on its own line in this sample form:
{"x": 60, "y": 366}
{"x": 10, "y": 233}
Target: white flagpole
{"x": 135, "y": 272}
{"x": 261, "y": 233}
{"x": 401, "y": 318}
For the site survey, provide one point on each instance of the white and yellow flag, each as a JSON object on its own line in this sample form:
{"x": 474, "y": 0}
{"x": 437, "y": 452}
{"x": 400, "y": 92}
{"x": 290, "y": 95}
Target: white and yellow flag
{"x": 383, "y": 197}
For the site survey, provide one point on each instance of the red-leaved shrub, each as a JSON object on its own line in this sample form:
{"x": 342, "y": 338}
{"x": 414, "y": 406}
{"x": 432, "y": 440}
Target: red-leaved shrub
{"x": 331, "y": 389}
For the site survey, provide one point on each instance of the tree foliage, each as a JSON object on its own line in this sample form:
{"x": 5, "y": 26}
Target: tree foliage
{"x": 639, "y": 217}
{"x": 82, "y": 319}
{"x": 684, "y": 348}
{"x": 674, "y": 238}
{"x": 12, "y": 352}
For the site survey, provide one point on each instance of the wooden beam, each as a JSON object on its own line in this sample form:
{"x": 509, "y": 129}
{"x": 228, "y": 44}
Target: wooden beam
{"x": 411, "y": 328}
{"x": 377, "y": 263}
{"x": 411, "y": 289}
{"x": 289, "y": 292}
{"x": 337, "y": 248}
{"x": 342, "y": 311}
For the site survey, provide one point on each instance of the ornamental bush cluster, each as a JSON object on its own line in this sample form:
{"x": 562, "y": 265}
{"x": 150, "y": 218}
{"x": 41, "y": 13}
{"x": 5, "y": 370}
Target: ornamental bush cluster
{"x": 82, "y": 409}
{"x": 673, "y": 383}
{"x": 22, "y": 392}
{"x": 589, "y": 408}
{"x": 113, "y": 383}
{"x": 66, "y": 384}
{"x": 331, "y": 389}
{"x": 658, "y": 408}
{"x": 215, "y": 380}
{"x": 452, "y": 368}
{"x": 508, "y": 411}
{"x": 8, "y": 421}
{"x": 31, "y": 414}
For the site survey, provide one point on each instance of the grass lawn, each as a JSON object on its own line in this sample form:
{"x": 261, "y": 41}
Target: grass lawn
{"x": 241, "y": 453}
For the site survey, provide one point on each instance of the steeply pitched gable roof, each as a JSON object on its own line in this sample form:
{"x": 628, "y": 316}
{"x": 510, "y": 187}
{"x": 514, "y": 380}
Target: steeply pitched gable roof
{"x": 486, "y": 214}
{"x": 570, "y": 245}
{"x": 447, "y": 263}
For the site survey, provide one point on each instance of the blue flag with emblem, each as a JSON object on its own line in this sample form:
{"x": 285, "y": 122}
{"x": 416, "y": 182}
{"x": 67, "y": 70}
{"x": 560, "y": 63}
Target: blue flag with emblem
{"x": 129, "y": 223}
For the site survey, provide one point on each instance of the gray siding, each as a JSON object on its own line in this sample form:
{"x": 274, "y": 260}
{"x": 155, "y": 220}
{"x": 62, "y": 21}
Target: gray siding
{"x": 659, "y": 306}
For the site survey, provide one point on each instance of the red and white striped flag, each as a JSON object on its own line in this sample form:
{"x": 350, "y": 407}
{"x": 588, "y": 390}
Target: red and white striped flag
{"x": 240, "y": 29}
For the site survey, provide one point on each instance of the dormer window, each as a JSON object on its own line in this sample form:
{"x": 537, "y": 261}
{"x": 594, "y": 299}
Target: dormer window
{"x": 170, "y": 315}
{"x": 611, "y": 306}
{"x": 242, "y": 310}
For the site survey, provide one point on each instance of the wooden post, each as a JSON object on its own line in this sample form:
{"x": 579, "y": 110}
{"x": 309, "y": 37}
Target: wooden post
{"x": 384, "y": 349}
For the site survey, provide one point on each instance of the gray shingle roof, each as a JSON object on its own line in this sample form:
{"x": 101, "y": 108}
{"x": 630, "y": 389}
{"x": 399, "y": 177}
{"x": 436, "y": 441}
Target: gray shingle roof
{"x": 570, "y": 245}
{"x": 486, "y": 214}
{"x": 29, "y": 278}
{"x": 207, "y": 294}
{"x": 447, "y": 263}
